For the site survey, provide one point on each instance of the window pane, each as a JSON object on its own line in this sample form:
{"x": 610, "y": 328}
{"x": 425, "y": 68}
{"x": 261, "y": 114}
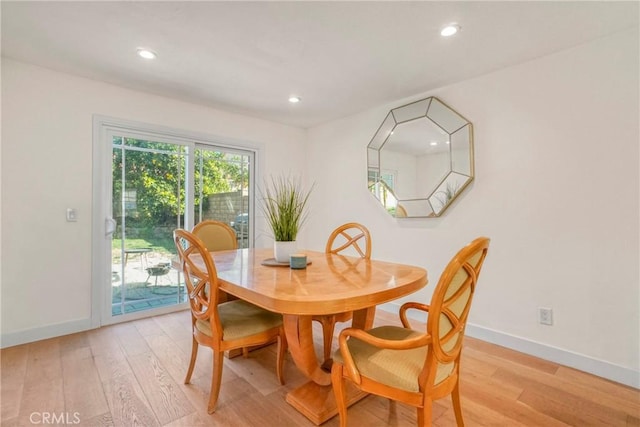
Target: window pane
{"x": 148, "y": 201}
{"x": 222, "y": 190}
{"x": 152, "y": 145}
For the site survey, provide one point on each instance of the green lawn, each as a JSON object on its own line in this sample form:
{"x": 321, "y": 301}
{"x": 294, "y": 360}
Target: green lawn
{"x": 162, "y": 245}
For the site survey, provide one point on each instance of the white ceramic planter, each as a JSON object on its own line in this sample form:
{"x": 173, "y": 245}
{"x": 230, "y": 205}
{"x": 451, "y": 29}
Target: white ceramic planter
{"x": 282, "y": 250}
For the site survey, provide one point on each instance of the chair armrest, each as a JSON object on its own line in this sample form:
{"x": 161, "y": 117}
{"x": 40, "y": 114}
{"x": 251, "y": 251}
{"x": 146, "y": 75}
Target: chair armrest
{"x": 362, "y": 335}
{"x": 411, "y": 305}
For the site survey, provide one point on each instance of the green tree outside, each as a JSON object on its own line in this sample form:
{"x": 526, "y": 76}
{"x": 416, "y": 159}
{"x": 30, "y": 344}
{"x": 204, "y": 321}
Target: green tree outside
{"x": 154, "y": 190}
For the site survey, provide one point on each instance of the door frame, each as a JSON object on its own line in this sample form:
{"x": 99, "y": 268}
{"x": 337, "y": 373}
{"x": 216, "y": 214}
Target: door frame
{"x": 103, "y": 128}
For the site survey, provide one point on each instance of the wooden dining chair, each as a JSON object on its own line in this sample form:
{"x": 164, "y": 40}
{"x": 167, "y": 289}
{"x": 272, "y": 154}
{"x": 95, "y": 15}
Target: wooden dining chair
{"x": 412, "y": 366}
{"x": 350, "y": 236}
{"x": 225, "y": 326}
{"x": 217, "y": 236}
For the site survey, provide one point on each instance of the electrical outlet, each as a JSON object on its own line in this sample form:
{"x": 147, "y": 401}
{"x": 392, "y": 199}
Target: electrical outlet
{"x": 545, "y": 316}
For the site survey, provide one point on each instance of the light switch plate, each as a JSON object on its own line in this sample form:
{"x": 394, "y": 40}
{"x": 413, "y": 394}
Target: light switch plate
{"x": 72, "y": 215}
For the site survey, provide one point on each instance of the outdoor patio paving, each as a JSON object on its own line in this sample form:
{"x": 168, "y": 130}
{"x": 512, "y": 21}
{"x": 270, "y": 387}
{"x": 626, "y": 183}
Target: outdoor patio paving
{"x": 142, "y": 290}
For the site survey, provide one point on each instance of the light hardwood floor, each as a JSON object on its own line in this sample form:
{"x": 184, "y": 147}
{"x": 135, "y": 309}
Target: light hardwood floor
{"x": 132, "y": 374}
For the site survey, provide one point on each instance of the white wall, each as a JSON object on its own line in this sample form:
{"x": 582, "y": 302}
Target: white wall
{"x": 580, "y": 257}
{"x": 560, "y": 237}
{"x": 47, "y": 167}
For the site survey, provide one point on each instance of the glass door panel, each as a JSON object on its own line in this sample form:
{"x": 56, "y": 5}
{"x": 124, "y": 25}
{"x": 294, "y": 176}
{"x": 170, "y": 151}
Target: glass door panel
{"x": 149, "y": 189}
{"x": 222, "y": 189}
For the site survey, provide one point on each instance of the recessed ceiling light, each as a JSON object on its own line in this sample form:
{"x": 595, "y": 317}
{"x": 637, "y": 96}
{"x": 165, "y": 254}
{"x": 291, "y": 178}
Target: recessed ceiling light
{"x": 433, "y": 143}
{"x": 294, "y": 99}
{"x": 450, "y": 30}
{"x": 146, "y": 53}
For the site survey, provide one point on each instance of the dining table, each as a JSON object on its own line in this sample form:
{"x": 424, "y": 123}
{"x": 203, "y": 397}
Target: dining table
{"x": 330, "y": 284}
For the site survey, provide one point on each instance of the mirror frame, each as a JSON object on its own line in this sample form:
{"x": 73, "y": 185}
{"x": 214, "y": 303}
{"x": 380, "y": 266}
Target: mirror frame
{"x": 406, "y": 113}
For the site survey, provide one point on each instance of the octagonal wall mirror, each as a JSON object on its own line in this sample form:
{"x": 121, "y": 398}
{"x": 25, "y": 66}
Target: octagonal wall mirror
{"x": 420, "y": 159}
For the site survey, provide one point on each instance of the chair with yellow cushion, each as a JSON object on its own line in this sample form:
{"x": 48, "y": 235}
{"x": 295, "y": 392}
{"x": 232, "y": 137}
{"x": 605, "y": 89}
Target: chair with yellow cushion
{"x": 221, "y": 326}
{"x": 217, "y": 236}
{"x": 351, "y": 236}
{"x": 414, "y": 366}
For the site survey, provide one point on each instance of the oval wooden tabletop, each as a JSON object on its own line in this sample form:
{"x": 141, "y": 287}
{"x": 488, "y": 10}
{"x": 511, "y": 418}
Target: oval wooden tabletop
{"x": 330, "y": 284}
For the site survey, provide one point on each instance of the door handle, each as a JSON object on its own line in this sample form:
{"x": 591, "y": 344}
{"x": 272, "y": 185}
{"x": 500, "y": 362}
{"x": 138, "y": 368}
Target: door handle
{"x": 110, "y": 226}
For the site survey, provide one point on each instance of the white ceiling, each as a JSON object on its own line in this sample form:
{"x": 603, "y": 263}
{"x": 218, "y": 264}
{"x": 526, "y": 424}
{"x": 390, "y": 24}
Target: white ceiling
{"x": 340, "y": 57}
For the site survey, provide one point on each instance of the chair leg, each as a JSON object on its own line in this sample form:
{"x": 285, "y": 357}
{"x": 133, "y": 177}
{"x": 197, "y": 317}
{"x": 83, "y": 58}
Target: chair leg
{"x": 192, "y": 363}
{"x": 216, "y": 379}
{"x": 282, "y": 352}
{"x": 457, "y": 408}
{"x": 425, "y": 413}
{"x": 339, "y": 391}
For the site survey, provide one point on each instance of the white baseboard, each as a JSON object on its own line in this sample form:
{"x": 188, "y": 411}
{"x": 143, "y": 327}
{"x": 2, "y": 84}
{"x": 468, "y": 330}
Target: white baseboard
{"x": 601, "y": 368}
{"x": 30, "y": 335}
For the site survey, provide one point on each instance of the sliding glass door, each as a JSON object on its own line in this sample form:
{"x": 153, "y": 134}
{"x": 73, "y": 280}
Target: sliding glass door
{"x": 149, "y": 189}
{"x": 153, "y": 183}
{"x": 222, "y": 189}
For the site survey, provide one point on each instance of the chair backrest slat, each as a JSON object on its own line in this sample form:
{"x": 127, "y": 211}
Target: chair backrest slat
{"x": 342, "y": 238}
{"x": 450, "y": 306}
{"x": 201, "y": 284}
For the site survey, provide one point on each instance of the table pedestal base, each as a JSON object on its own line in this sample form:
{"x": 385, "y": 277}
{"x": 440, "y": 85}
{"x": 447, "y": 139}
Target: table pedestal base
{"x": 318, "y": 403}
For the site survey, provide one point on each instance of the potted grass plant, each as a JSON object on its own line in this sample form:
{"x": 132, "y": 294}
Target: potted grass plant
{"x": 284, "y": 203}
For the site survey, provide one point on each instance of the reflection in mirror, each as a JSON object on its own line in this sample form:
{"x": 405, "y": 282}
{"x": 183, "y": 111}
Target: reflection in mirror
{"x": 420, "y": 159}
{"x": 383, "y": 191}
{"x": 446, "y": 191}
